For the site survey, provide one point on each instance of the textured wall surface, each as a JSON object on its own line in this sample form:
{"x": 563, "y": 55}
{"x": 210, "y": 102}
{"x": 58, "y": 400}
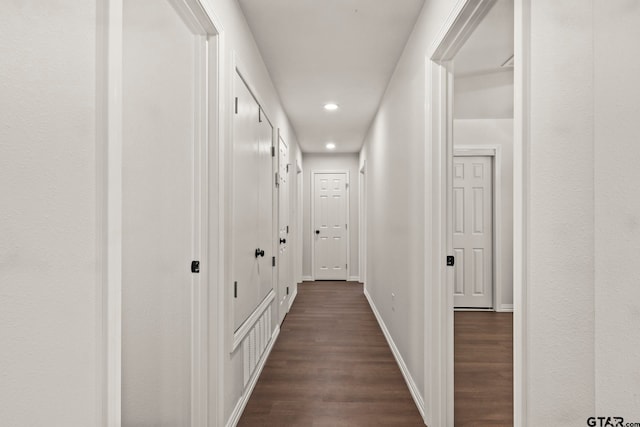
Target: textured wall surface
{"x": 48, "y": 284}
{"x": 560, "y": 304}
{"x": 617, "y": 208}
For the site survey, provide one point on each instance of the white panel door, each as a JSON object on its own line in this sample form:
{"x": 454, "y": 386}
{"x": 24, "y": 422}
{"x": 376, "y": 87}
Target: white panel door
{"x": 284, "y": 276}
{"x": 159, "y": 226}
{"x": 330, "y": 226}
{"x": 247, "y": 211}
{"x": 265, "y": 209}
{"x": 473, "y": 231}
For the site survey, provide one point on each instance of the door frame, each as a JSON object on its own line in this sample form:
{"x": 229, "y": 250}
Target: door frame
{"x": 362, "y": 268}
{"x": 299, "y": 221}
{"x": 495, "y": 152}
{"x": 347, "y": 214}
{"x": 278, "y": 191}
{"x": 210, "y": 131}
{"x": 438, "y": 350}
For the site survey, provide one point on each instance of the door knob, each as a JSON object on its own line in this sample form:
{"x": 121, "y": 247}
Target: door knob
{"x": 283, "y": 240}
{"x": 317, "y": 231}
{"x": 259, "y": 253}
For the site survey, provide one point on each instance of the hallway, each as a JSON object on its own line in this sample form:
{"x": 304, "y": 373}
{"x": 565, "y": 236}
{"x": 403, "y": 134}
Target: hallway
{"x": 331, "y": 366}
{"x": 263, "y": 213}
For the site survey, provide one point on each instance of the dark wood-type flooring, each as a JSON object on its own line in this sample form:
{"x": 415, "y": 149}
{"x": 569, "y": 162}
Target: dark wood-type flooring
{"x": 331, "y": 366}
{"x": 483, "y": 372}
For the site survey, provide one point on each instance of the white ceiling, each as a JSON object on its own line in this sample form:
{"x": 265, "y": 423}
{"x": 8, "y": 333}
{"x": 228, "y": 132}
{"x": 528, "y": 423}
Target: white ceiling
{"x": 320, "y": 51}
{"x": 490, "y": 45}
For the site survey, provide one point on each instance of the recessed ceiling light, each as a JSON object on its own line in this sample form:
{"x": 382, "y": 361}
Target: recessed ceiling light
{"x": 331, "y": 107}
{"x": 331, "y": 146}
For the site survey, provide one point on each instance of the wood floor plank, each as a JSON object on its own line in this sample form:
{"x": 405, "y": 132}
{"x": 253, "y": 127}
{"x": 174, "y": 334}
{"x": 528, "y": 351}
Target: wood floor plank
{"x": 331, "y": 366}
{"x": 483, "y": 369}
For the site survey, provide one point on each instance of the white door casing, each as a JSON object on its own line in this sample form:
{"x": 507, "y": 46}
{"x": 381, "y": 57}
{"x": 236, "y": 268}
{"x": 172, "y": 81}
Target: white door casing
{"x": 473, "y": 231}
{"x": 284, "y": 276}
{"x": 300, "y": 222}
{"x": 363, "y": 224}
{"x": 330, "y": 225}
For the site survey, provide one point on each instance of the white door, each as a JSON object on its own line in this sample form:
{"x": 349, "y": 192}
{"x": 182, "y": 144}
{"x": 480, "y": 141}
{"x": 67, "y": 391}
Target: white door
{"x": 265, "y": 208}
{"x": 473, "y": 231}
{"x": 330, "y": 226}
{"x": 284, "y": 276}
{"x": 252, "y": 214}
{"x": 159, "y": 205}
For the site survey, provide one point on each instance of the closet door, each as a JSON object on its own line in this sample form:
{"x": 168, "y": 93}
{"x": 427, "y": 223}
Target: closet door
{"x": 158, "y": 213}
{"x": 266, "y": 184}
{"x": 246, "y": 242}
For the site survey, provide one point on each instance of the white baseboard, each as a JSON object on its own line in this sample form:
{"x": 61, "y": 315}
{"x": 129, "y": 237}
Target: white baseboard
{"x": 413, "y": 388}
{"x": 293, "y": 298}
{"x": 307, "y": 279}
{"x": 354, "y": 278}
{"x": 505, "y": 308}
{"x": 244, "y": 399}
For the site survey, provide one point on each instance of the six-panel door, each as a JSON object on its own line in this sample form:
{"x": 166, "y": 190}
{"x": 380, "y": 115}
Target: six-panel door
{"x": 329, "y": 228}
{"x": 473, "y": 231}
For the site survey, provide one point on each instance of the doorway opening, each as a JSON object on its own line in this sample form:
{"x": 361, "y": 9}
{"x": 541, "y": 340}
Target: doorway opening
{"x": 474, "y": 184}
{"x": 161, "y": 122}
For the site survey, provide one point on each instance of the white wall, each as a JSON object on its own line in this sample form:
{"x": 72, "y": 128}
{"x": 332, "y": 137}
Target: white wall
{"x": 617, "y": 208}
{"x": 320, "y": 162}
{"x": 584, "y": 301}
{"x": 484, "y": 96}
{"x": 560, "y": 317}
{"x": 49, "y": 286}
{"x": 496, "y": 132}
{"x": 395, "y": 182}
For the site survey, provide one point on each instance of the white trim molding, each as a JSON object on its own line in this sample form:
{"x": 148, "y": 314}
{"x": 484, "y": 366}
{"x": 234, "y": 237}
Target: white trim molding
{"x": 411, "y": 384}
{"x": 247, "y": 325}
{"x": 109, "y": 208}
{"x": 353, "y": 279}
{"x": 292, "y": 298}
{"x": 505, "y": 308}
{"x": 521, "y": 168}
{"x": 307, "y": 278}
{"x": 362, "y": 256}
{"x": 242, "y": 402}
